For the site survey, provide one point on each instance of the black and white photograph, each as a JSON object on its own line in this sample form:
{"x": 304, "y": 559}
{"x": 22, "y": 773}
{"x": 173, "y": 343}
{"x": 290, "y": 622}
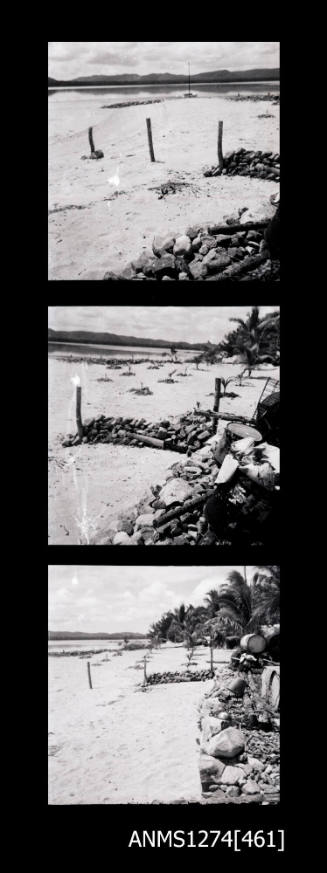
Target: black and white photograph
{"x": 164, "y": 161}
{"x": 164, "y": 425}
{"x": 164, "y": 685}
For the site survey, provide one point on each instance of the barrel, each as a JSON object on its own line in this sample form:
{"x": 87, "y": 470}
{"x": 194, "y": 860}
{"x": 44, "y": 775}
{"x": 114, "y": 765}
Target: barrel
{"x": 253, "y": 643}
{"x": 238, "y": 431}
{"x": 270, "y": 687}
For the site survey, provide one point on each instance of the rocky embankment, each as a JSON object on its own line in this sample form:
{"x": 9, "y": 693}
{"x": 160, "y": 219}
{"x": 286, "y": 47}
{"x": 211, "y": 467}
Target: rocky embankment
{"x": 174, "y": 514}
{"x": 239, "y": 742}
{"x": 227, "y": 251}
{"x": 258, "y": 165}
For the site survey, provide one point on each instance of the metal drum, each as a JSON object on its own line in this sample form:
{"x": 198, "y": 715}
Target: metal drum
{"x": 238, "y": 431}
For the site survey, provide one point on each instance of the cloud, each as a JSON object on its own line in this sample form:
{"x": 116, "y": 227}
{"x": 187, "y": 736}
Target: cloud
{"x": 73, "y": 59}
{"x": 114, "y": 599}
{"x": 172, "y": 323}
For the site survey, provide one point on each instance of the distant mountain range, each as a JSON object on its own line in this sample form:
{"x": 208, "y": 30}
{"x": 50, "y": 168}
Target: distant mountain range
{"x": 77, "y": 635}
{"x": 255, "y": 75}
{"x": 115, "y": 339}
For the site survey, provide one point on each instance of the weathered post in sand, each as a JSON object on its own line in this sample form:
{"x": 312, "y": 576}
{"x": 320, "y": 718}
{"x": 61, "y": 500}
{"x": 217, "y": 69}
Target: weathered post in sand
{"x": 148, "y": 124}
{"x": 78, "y": 411}
{"x": 91, "y": 140}
{"x": 217, "y": 395}
{"x": 211, "y": 653}
{"x": 89, "y": 674}
{"x": 144, "y": 671}
{"x": 220, "y": 145}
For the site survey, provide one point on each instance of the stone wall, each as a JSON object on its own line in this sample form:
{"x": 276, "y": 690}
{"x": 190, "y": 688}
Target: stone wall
{"x": 185, "y": 434}
{"x": 258, "y": 165}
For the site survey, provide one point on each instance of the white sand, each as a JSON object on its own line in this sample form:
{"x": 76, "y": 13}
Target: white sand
{"x": 116, "y": 744}
{"x": 106, "y": 234}
{"x": 90, "y": 485}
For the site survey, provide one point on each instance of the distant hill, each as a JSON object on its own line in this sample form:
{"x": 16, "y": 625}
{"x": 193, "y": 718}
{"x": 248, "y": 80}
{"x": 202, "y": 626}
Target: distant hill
{"x": 254, "y": 75}
{"x": 84, "y": 336}
{"x": 77, "y": 635}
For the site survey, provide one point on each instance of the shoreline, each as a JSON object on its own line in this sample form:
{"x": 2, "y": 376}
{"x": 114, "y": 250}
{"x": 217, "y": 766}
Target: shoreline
{"x": 113, "y": 222}
{"x": 91, "y": 485}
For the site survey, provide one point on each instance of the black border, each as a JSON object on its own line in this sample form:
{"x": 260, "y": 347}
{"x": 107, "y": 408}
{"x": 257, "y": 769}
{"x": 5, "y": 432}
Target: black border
{"x": 119, "y": 821}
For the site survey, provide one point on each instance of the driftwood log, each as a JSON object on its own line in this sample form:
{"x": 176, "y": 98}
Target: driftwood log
{"x": 148, "y": 441}
{"x": 242, "y": 267}
{"x": 230, "y": 416}
{"x": 237, "y": 228}
{"x": 179, "y": 510}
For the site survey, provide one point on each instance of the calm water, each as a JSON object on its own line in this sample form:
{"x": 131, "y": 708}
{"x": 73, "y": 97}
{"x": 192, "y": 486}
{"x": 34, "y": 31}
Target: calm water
{"x": 82, "y": 645}
{"x": 111, "y": 351}
{"x": 72, "y": 110}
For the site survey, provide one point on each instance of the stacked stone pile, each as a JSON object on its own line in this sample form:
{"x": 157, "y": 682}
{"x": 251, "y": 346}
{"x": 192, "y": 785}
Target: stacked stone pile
{"x": 179, "y": 676}
{"x": 208, "y": 252}
{"x": 187, "y": 434}
{"x": 237, "y": 764}
{"x": 254, "y": 98}
{"x": 242, "y": 162}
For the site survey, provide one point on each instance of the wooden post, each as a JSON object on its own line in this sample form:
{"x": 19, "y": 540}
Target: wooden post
{"x": 89, "y": 674}
{"x": 217, "y": 395}
{"x": 78, "y": 411}
{"x": 91, "y": 140}
{"x": 211, "y": 654}
{"x": 261, "y": 395}
{"x": 220, "y": 145}
{"x": 144, "y": 670}
{"x": 148, "y": 124}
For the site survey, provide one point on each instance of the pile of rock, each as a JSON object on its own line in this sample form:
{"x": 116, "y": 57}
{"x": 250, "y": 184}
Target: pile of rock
{"x": 258, "y": 165}
{"x": 179, "y": 676}
{"x": 236, "y": 764}
{"x": 254, "y": 98}
{"x": 187, "y": 434}
{"x": 208, "y": 252}
{"x": 132, "y": 103}
{"x": 174, "y": 513}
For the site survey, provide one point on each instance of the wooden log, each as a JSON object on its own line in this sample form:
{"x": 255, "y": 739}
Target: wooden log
{"x": 149, "y": 441}
{"x": 230, "y": 416}
{"x": 237, "y": 228}
{"x": 148, "y": 124}
{"x": 220, "y": 145}
{"x": 242, "y": 267}
{"x": 91, "y": 140}
{"x": 89, "y": 674}
{"x": 179, "y": 510}
{"x": 217, "y": 395}
{"x": 78, "y": 411}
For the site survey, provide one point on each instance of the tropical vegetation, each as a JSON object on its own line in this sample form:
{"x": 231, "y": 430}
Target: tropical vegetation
{"x": 234, "y": 608}
{"x": 256, "y": 339}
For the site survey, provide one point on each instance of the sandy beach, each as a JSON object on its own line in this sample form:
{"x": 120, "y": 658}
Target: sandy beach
{"x": 90, "y": 485}
{"x": 104, "y": 213}
{"x": 117, "y": 744}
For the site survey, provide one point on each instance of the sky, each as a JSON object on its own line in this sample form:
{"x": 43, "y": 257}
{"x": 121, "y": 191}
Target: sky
{"x": 68, "y": 60}
{"x": 174, "y": 323}
{"x": 116, "y": 599}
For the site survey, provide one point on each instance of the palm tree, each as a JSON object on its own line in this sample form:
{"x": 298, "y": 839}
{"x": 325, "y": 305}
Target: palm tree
{"x": 265, "y": 597}
{"x": 229, "y": 607}
{"x": 254, "y": 336}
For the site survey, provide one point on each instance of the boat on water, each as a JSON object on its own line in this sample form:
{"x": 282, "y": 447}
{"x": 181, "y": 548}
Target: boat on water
{"x": 189, "y": 92}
